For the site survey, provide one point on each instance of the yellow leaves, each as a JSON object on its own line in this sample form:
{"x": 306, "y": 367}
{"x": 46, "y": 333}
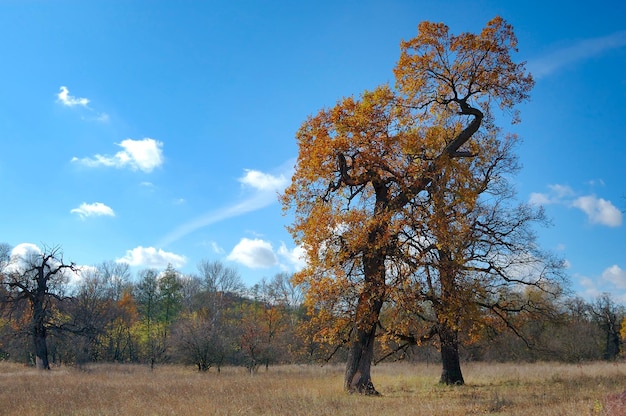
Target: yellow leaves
{"x": 436, "y": 67}
{"x": 384, "y": 177}
{"x": 622, "y": 331}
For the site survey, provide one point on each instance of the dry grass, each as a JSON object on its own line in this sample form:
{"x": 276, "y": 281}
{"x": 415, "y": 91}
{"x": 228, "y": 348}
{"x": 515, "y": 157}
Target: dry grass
{"x": 497, "y": 389}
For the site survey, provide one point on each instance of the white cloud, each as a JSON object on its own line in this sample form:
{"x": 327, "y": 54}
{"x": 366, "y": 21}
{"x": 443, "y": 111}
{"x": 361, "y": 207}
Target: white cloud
{"x": 144, "y": 155}
{"x": 24, "y": 254}
{"x": 254, "y": 253}
{"x": 612, "y": 280}
{"x": 296, "y": 257}
{"x": 556, "y": 195}
{"x": 151, "y": 257}
{"x": 616, "y": 276}
{"x": 589, "y": 287}
{"x": 93, "y": 210}
{"x": 539, "y": 199}
{"x": 67, "y": 100}
{"x": 582, "y": 50}
{"x": 25, "y": 250}
{"x": 264, "y": 181}
{"x": 599, "y": 211}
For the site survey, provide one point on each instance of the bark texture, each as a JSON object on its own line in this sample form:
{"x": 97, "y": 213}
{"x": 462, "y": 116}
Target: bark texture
{"x": 451, "y": 366}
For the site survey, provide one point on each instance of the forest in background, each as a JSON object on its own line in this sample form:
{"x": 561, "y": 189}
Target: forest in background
{"x": 210, "y": 319}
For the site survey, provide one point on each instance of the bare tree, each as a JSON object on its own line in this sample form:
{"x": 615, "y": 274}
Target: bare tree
{"x": 608, "y": 316}
{"x": 219, "y": 282}
{"x": 38, "y": 278}
{"x": 115, "y": 277}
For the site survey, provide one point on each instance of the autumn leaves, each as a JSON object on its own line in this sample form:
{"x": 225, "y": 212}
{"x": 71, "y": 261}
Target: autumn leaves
{"x": 377, "y": 182}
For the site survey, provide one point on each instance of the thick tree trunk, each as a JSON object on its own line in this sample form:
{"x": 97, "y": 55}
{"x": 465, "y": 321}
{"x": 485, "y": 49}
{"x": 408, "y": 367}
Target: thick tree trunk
{"x": 41, "y": 352}
{"x": 358, "y": 378}
{"x": 451, "y": 366}
{"x": 39, "y": 335}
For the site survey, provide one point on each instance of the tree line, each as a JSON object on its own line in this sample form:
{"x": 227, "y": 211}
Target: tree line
{"x": 210, "y": 319}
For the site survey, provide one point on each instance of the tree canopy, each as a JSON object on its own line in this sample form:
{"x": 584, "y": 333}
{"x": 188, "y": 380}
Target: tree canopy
{"x": 370, "y": 167}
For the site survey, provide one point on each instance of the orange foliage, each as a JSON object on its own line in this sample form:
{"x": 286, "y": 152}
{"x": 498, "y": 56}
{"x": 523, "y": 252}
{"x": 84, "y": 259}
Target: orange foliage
{"x": 365, "y": 166}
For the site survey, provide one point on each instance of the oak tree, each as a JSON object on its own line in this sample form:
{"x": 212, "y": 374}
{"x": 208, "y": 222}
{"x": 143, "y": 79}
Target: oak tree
{"x": 364, "y": 163}
{"x": 38, "y": 278}
{"x": 476, "y": 262}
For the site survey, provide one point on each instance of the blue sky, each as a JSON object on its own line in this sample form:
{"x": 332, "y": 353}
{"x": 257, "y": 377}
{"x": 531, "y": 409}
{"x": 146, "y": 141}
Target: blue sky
{"x": 156, "y": 132}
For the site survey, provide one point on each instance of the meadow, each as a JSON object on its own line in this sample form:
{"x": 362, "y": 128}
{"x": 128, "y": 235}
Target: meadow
{"x": 407, "y": 389}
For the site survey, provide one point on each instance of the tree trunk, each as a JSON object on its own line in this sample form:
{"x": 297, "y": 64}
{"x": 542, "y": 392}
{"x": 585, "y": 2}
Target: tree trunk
{"x": 358, "y": 378}
{"x": 41, "y": 352}
{"x": 39, "y": 336}
{"x": 451, "y": 371}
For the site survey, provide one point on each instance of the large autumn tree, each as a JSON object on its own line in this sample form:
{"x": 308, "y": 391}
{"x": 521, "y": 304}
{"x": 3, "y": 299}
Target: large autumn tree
{"x": 365, "y": 163}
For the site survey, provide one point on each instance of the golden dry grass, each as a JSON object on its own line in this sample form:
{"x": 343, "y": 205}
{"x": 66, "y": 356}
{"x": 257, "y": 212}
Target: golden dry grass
{"x": 496, "y": 389}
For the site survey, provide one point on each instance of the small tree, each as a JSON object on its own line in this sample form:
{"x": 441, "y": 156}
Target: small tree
{"x": 149, "y": 308}
{"x": 609, "y": 316}
{"x": 198, "y": 339}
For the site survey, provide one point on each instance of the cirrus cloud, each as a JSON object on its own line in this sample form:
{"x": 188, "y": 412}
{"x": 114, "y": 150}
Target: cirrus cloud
{"x": 144, "y": 155}
{"x": 265, "y": 189}
{"x": 580, "y": 51}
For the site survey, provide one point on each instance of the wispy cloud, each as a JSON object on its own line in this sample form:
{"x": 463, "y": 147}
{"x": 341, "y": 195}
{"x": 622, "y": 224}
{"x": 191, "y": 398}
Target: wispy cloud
{"x": 599, "y": 210}
{"x": 68, "y": 100}
{"x": 95, "y": 209}
{"x": 557, "y": 194}
{"x": 580, "y": 51}
{"x": 151, "y": 257}
{"x": 144, "y": 155}
{"x": 65, "y": 99}
{"x": 265, "y": 189}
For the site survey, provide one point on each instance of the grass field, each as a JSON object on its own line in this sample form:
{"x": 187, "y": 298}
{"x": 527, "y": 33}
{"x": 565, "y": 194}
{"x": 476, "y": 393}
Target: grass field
{"x": 407, "y": 389}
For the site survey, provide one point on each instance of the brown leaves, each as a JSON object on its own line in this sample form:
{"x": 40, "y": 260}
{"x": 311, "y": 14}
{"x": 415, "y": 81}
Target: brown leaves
{"x": 437, "y": 68}
{"x": 369, "y": 168}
